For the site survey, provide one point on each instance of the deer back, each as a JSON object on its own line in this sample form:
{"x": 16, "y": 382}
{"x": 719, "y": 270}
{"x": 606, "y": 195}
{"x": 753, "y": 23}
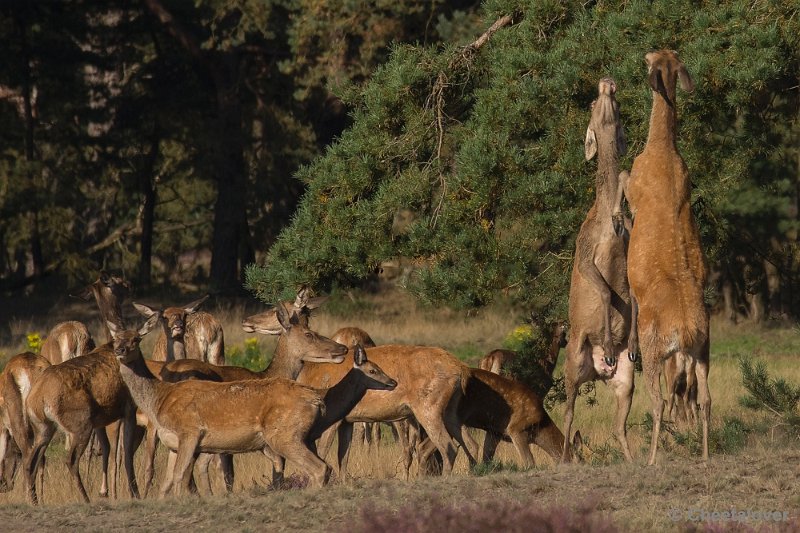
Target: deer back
{"x": 67, "y": 340}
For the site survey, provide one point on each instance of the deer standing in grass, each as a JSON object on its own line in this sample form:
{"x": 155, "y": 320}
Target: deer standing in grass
{"x": 77, "y": 396}
{"x": 666, "y": 265}
{"x": 430, "y": 380}
{"x": 16, "y": 381}
{"x": 681, "y": 382}
{"x": 187, "y": 333}
{"x": 599, "y": 297}
{"x": 509, "y": 410}
{"x": 271, "y": 415}
{"x": 296, "y": 345}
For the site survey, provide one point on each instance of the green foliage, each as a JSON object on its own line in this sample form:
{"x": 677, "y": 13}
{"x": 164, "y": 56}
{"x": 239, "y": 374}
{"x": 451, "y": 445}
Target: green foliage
{"x": 34, "y": 342}
{"x": 730, "y": 437}
{"x": 493, "y": 467}
{"x": 485, "y": 148}
{"x": 775, "y": 396}
{"x": 249, "y": 356}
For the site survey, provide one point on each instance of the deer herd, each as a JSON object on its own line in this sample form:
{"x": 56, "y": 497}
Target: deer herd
{"x": 636, "y": 291}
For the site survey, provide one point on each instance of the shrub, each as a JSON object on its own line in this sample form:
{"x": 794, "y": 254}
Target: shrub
{"x": 777, "y": 397}
{"x": 250, "y": 356}
{"x": 34, "y": 341}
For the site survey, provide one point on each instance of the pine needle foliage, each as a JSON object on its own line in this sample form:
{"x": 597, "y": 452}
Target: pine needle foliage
{"x": 484, "y": 147}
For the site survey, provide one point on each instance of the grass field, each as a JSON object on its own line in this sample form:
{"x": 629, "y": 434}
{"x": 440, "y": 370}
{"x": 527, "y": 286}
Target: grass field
{"x": 754, "y": 463}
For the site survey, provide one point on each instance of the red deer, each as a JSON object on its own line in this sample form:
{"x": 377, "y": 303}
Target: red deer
{"x": 67, "y": 340}
{"x": 599, "y": 297}
{"x": 666, "y": 265}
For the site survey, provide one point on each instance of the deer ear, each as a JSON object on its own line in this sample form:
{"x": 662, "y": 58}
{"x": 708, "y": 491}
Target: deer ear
{"x": 687, "y": 84}
{"x": 313, "y": 303}
{"x": 590, "y": 144}
{"x": 148, "y": 326}
{"x": 283, "y": 317}
{"x": 114, "y": 328}
{"x": 359, "y": 355}
{"x": 195, "y": 305}
{"x": 654, "y": 78}
{"x": 144, "y": 310}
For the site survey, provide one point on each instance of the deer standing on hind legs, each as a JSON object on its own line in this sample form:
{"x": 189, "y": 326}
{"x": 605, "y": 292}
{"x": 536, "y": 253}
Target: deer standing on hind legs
{"x": 666, "y": 265}
{"x": 599, "y": 300}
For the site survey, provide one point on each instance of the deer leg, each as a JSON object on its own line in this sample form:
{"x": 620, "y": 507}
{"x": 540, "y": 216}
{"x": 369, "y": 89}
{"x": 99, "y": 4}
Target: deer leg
{"x": 226, "y": 467}
{"x": 345, "y": 434}
{"x": 79, "y": 441}
{"x": 112, "y": 432}
{"x": 166, "y": 485}
{"x": 588, "y": 269}
{"x": 652, "y": 373}
{"x": 5, "y": 437}
{"x": 34, "y": 457}
{"x": 326, "y": 440}
{"x": 150, "y": 443}
{"x": 184, "y": 462}
{"x": 401, "y": 435}
{"x": 690, "y": 394}
{"x": 105, "y": 452}
{"x": 634, "y": 351}
{"x": 437, "y": 432}
{"x": 520, "y": 442}
{"x": 490, "y": 442}
{"x": 202, "y": 463}
{"x": 377, "y": 434}
{"x": 622, "y": 386}
{"x": 572, "y": 371}
{"x": 704, "y": 396}
{"x": 129, "y": 449}
{"x": 308, "y": 462}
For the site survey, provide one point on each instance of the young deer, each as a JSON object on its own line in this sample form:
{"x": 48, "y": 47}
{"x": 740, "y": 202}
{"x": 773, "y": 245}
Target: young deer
{"x": 188, "y": 333}
{"x": 296, "y": 345}
{"x": 16, "y": 380}
{"x": 191, "y": 417}
{"x": 77, "y": 396}
{"x": 509, "y": 410}
{"x": 67, "y": 340}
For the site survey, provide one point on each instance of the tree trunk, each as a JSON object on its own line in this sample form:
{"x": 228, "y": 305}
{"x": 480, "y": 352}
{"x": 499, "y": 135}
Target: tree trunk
{"x": 147, "y": 186}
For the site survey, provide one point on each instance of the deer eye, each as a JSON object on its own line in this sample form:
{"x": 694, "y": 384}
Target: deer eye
{"x": 309, "y": 335}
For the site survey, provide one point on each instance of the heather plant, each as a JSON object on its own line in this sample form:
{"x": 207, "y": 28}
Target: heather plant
{"x": 507, "y": 516}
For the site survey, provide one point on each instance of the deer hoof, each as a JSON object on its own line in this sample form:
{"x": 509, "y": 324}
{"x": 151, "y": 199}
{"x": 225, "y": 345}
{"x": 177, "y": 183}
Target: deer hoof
{"x": 610, "y": 361}
{"x": 633, "y": 356}
{"x": 619, "y": 225}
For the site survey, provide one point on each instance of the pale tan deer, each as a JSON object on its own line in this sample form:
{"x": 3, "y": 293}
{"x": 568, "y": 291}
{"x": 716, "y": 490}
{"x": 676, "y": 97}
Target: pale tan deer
{"x": 16, "y": 381}
{"x": 67, "y": 340}
{"x": 510, "y": 410}
{"x": 75, "y": 397}
{"x": 666, "y": 265}
{"x": 296, "y": 345}
{"x": 273, "y": 415}
{"x": 496, "y": 360}
{"x": 187, "y": 333}
{"x": 599, "y": 296}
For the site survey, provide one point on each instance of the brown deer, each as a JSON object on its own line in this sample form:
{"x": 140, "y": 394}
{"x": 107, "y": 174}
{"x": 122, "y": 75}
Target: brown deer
{"x": 77, "y": 396}
{"x": 599, "y": 297}
{"x": 16, "y": 381}
{"x": 666, "y": 265}
{"x": 67, "y": 340}
{"x": 496, "y": 360}
{"x": 510, "y": 410}
{"x": 417, "y": 368}
{"x": 296, "y": 345}
{"x": 272, "y": 415}
{"x": 187, "y": 333}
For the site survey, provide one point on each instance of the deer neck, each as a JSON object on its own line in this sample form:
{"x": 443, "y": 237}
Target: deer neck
{"x": 663, "y": 120}
{"x": 285, "y": 363}
{"x": 142, "y": 385}
{"x": 110, "y": 310}
{"x": 176, "y": 348}
{"x": 340, "y": 400}
{"x": 607, "y": 179}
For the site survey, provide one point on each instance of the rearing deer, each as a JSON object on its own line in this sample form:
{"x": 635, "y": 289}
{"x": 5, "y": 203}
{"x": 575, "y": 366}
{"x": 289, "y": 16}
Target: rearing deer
{"x": 599, "y": 298}
{"x": 666, "y": 265}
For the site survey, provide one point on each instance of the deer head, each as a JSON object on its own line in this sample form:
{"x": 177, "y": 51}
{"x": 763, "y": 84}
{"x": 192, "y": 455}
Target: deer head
{"x": 378, "y": 378}
{"x": 173, "y": 319}
{"x": 605, "y": 121}
{"x": 311, "y": 346}
{"x": 664, "y": 71}
{"x": 126, "y": 341}
{"x": 267, "y": 322}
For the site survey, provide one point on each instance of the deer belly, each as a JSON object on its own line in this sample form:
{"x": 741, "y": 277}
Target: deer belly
{"x": 234, "y": 440}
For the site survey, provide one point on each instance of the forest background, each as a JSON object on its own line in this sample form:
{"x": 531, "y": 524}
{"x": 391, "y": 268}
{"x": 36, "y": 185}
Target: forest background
{"x": 215, "y": 144}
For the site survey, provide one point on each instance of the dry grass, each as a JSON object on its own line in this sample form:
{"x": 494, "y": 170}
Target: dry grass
{"x": 632, "y": 496}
